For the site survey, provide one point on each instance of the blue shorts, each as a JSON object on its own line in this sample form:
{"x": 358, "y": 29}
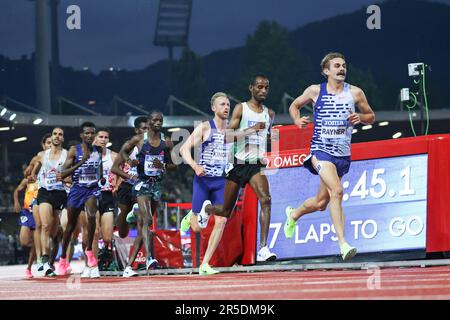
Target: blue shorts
{"x": 207, "y": 188}
{"x": 78, "y": 196}
{"x": 342, "y": 163}
{"x": 26, "y": 219}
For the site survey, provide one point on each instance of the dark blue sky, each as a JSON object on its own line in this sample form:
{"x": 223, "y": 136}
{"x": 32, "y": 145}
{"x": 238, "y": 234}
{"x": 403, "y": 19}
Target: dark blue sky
{"x": 119, "y": 33}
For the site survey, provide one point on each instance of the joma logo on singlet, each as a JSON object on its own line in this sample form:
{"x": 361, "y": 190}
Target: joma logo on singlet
{"x": 330, "y": 123}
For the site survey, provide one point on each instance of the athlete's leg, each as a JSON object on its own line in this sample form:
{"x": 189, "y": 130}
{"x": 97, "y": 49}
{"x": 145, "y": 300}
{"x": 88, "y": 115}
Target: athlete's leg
{"x": 121, "y": 221}
{"x": 37, "y": 232}
{"x": 214, "y": 238}
{"x": 47, "y": 221}
{"x": 330, "y": 178}
{"x": 91, "y": 212}
{"x": 145, "y": 208}
{"x": 107, "y": 227}
{"x": 72, "y": 219}
{"x": 230, "y": 196}
{"x": 313, "y": 204}
{"x": 260, "y": 185}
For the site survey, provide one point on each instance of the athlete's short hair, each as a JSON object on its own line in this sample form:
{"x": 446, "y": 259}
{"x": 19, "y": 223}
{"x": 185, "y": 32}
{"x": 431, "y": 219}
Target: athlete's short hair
{"x": 256, "y": 76}
{"x": 58, "y": 128}
{"x": 139, "y": 120}
{"x": 104, "y": 129}
{"x": 218, "y": 95}
{"x": 45, "y": 137}
{"x": 87, "y": 124}
{"x": 325, "y": 63}
{"x": 154, "y": 111}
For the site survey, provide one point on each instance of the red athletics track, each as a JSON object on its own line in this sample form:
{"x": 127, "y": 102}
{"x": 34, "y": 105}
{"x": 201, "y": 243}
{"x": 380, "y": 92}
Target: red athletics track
{"x": 395, "y": 283}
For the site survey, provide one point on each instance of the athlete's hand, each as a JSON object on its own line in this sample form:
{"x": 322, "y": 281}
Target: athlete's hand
{"x": 158, "y": 164}
{"x": 199, "y": 171}
{"x": 259, "y": 126}
{"x": 133, "y": 163}
{"x": 31, "y": 178}
{"x": 354, "y": 118}
{"x": 58, "y": 176}
{"x": 17, "y": 207}
{"x": 302, "y": 122}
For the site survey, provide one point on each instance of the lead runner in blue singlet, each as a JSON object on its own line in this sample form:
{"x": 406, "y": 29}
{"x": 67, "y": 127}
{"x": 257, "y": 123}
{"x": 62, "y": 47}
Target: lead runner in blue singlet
{"x": 154, "y": 159}
{"x": 334, "y": 117}
{"x": 84, "y": 163}
{"x": 209, "y": 183}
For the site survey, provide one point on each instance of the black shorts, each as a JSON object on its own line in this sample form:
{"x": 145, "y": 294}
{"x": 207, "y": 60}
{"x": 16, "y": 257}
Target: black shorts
{"x": 242, "y": 173}
{"x": 124, "y": 194}
{"x": 56, "y": 198}
{"x": 106, "y": 203}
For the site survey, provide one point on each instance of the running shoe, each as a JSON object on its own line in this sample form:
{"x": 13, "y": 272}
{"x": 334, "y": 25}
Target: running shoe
{"x": 203, "y": 217}
{"x": 86, "y": 272}
{"x": 151, "y": 263}
{"x": 62, "y": 267}
{"x": 264, "y": 254}
{"x": 95, "y": 273}
{"x": 131, "y": 217}
{"x": 128, "y": 272}
{"x": 48, "y": 271}
{"x": 186, "y": 222}
{"x": 289, "y": 225}
{"x": 92, "y": 262}
{"x": 206, "y": 270}
{"x": 40, "y": 264}
{"x": 28, "y": 274}
{"x": 347, "y": 251}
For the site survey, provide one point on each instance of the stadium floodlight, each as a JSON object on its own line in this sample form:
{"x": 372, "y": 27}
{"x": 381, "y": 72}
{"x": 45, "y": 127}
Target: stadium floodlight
{"x": 172, "y": 25}
{"x": 2, "y": 113}
{"x": 174, "y": 129}
{"x": 12, "y": 117}
{"x": 21, "y": 139}
{"x": 109, "y": 144}
{"x": 4, "y": 128}
{"x": 38, "y": 121}
{"x": 354, "y": 131}
{"x": 172, "y": 29}
{"x": 397, "y": 135}
{"x": 367, "y": 127}
{"x": 383, "y": 123}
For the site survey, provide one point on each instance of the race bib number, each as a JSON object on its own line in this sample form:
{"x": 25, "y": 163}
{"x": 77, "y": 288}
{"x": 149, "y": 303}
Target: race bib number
{"x": 334, "y": 129}
{"x": 149, "y": 169}
{"x": 50, "y": 179}
{"x": 88, "y": 175}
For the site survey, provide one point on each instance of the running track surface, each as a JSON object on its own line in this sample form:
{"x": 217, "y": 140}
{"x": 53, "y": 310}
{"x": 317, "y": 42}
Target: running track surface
{"x": 392, "y": 283}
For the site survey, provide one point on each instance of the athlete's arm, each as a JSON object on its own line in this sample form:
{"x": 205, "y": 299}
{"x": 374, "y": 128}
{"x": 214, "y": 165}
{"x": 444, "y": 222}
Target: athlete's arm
{"x": 114, "y": 181}
{"x": 194, "y": 140}
{"x": 128, "y": 146}
{"x": 67, "y": 168}
{"x": 22, "y": 185}
{"x": 308, "y": 96}
{"x": 29, "y": 169}
{"x": 170, "y": 166}
{"x": 232, "y": 134}
{"x": 37, "y": 165}
{"x": 118, "y": 162}
{"x": 366, "y": 115}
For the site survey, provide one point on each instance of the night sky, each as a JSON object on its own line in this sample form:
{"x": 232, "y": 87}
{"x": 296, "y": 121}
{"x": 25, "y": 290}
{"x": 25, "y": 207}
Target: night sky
{"x": 119, "y": 33}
